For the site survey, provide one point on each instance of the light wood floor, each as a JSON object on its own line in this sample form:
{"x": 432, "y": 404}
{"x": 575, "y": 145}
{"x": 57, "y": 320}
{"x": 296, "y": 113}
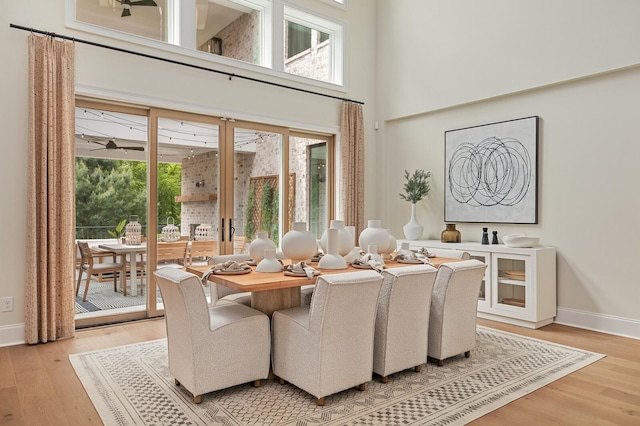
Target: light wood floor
{"x": 38, "y": 386}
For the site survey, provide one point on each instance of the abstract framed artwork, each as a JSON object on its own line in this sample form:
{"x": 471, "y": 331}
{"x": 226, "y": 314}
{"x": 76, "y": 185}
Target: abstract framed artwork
{"x": 491, "y": 172}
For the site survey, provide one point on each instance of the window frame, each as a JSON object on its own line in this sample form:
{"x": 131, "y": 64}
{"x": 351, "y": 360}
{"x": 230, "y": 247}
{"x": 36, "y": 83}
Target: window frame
{"x": 272, "y": 54}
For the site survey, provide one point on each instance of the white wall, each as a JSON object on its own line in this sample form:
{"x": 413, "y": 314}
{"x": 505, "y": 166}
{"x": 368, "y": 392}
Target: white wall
{"x": 449, "y": 65}
{"x": 129, "y": 78}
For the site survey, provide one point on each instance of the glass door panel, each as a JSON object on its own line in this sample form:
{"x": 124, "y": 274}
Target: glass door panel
{"x": 257, "y": 184}
{"x": 512, "y": 284}
{"x": 188, "y": 182}
{"x": 110, "y": 187}
{"x": 309, "y": 169}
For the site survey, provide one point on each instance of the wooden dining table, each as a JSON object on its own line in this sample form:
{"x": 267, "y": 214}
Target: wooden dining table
{"x": 275, "y": 291}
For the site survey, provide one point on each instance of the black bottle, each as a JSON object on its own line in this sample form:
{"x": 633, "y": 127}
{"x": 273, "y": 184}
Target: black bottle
{"x": 494, "y": 240}
{"x": 485, "y": 236}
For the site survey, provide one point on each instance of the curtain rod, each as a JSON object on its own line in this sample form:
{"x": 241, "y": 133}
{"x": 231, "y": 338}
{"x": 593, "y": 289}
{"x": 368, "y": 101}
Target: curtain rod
{"x": 171, "y": 61}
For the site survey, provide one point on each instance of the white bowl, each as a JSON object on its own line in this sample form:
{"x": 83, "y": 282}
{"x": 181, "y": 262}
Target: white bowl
{"x": 520, "y": 240}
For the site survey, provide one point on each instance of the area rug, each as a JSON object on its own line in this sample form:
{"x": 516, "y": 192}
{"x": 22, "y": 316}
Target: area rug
{"x": 131, "y": 385}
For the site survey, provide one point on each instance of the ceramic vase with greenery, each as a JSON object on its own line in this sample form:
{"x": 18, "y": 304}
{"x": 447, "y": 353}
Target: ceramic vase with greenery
{"x": 415, "y": 188}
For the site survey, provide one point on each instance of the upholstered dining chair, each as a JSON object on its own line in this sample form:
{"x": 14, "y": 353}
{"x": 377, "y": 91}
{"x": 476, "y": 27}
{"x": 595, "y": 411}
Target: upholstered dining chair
{"x": 402, "y": 320}
{"x": 451, "y": 253}
{"x": 327, "y": 347}
{"x": 220, "y": 292}
{"x": 211, "y": 348}
{"x": 454, "y": 307}
{"x": 90, "y": 266}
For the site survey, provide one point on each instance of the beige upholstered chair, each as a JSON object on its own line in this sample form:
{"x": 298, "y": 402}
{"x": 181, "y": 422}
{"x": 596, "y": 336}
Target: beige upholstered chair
{"x": 454, "y": 306}
{"x": 90, "y": 266}
{"x": 452, "y": 253}
{"x": 211, "y": 348}
{"x": 402, "y": 321}
{"x": 328, "y": 347}
{"x": 219, "y": 292}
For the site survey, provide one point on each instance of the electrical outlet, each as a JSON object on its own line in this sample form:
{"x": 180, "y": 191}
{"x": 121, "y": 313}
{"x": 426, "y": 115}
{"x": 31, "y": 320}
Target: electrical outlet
{"x": 7, "y": 304}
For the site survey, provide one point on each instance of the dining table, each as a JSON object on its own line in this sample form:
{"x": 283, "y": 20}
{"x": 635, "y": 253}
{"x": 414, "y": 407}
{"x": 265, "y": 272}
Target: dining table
{"x": 132, "y": 250}
{"x": 272, "y": 291}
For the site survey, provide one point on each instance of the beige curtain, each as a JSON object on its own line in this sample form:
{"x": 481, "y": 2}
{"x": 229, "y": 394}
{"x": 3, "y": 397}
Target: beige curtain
{"x": 352, "y": 161}
{"x": 51, "y": 252}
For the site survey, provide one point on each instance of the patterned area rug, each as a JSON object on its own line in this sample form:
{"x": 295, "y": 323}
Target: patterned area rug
{"x": 131, "y": 385}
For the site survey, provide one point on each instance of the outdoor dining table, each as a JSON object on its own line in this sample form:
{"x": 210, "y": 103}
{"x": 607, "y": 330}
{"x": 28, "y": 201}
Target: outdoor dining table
{"x": 132, "y": 250}
{"x": 275, "y": 291}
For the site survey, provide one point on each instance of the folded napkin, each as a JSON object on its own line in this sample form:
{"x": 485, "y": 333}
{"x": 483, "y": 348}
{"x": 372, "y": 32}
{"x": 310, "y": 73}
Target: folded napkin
{"x": 423, "y": 251}
{"x": 300, "y": 268}
{"x": 367, "y": 259}
{"x": 411, "y": 256}
{"x": 228, "y": 266}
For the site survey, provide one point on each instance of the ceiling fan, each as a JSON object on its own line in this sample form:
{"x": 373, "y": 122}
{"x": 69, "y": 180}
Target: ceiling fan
{"x": 127, "y": 4}
{"x": 111, "y": 144}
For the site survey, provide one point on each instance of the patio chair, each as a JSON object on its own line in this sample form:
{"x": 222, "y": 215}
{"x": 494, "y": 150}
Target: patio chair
{"x": 172, "y": 254}
{"x": 91, "y": 267}
{"x": 202, "y": 250}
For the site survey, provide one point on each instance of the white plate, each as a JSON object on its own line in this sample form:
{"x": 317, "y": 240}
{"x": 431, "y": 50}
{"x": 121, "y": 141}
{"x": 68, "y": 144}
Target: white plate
{"x": 244, "y": 271}
{"x": 413, "y": 261}
{"x": 300, "y": 274}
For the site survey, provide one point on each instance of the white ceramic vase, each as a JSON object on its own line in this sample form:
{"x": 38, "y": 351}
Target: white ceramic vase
{"x": 353, "y": 255}
{"x": 413, "y": 230}
{"x": 269, "y": 263}
{"x": 393, "y": 245}
{"x": 372, "y": 251}
{"x": 259, "y": 245}
{"x": 345, "y": 238}
{"x": 298, "y": 244}
{"x": 332, "y": 259}
{"x": 374, "y": 235}
{"x": 405, "y": 250}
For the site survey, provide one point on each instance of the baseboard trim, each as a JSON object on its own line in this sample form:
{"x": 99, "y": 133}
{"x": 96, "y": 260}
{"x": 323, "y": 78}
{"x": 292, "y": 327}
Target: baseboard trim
{"x": 609, "y": 324}
{"x": 11, "y": 335}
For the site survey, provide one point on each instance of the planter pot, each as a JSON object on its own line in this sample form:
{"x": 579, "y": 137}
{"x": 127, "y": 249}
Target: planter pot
{"x": 413, "y": 230}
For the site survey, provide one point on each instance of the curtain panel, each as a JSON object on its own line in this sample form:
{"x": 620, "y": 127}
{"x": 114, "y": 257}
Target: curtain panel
{"x": 51, "y": 252}
{"x": 352, "y": 165}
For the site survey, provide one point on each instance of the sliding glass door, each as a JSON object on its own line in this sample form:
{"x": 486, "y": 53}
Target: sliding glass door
{"x": 197, "y": 185}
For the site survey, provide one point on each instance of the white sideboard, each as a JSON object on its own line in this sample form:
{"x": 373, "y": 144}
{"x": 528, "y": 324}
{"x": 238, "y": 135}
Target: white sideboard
{"x": 519, "y": 286}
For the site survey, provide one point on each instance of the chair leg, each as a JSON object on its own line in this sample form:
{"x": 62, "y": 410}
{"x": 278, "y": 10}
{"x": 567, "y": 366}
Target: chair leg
{"x": 282, "y": 381}
{"x": 197, "y": 399}
{"x": 362, "y": 387}
{"x": 320, "y": 402}
{"x": 384, "y": 379}
{"x": 177, "y": 382}
{"x": 417, "y": 368}
{"x": 467, "y": 354}
{"x": 79, "y": 279}
{"x": 256, "y": 383}
{"x": 86, "y": 286}
{"x": 440, "y": 363}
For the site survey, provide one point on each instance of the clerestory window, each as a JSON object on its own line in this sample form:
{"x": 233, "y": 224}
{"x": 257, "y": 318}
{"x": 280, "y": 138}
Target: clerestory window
{"x": 241, "y": 30}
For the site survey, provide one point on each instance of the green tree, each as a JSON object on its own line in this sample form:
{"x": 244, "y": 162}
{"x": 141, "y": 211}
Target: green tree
{"x": 108, "y": 191}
